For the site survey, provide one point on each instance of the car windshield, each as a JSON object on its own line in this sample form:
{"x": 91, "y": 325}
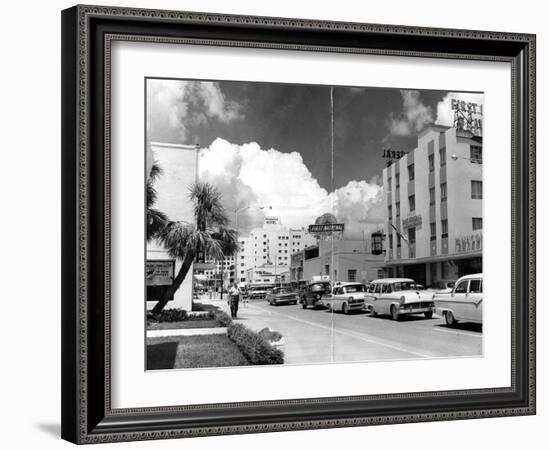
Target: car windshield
{"x": 320, "y": 286}
{"x": 403, "y": 286}
{"x": 282, "y": 291}
{"x": 355, "y": 288}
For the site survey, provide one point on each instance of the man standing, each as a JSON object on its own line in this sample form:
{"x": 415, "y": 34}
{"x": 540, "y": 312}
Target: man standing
{"x": 234, "y": 300}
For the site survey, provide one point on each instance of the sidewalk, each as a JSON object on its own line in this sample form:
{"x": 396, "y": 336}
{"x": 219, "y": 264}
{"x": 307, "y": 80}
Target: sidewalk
{"x": 186, "y": 332}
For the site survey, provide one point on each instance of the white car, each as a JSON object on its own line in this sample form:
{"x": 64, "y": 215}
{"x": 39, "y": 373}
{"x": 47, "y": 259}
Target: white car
{"x": 464, "y": 303}
{"x": 398, "y": 297}
{"x": 346, "y": 297}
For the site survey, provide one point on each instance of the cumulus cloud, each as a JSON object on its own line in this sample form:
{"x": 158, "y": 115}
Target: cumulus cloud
{"x": 248, "y": 175}
{"x": 174, "y": 106}
{"x": 414, "y": 116}
{"x": 445, "y": 114}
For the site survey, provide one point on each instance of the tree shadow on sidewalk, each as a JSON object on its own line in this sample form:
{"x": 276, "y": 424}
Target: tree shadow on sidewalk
{"x": 161, "y": 356}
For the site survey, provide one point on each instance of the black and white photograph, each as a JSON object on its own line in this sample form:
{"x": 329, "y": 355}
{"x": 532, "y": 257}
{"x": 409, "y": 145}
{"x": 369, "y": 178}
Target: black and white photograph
{"x": 311, "y": 224}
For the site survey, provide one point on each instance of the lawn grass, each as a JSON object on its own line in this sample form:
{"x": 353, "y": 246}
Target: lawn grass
{"x": 185, "y": 324}
{"x": 213, "y": 350}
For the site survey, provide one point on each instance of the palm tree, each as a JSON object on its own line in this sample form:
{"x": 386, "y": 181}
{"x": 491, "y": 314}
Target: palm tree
{"x": 156, "y": 220}
{"x": 209, "y": 236}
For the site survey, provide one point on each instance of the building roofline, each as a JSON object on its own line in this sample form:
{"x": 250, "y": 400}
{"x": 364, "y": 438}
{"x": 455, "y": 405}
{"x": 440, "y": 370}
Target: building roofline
{"x": 432, "y": 126}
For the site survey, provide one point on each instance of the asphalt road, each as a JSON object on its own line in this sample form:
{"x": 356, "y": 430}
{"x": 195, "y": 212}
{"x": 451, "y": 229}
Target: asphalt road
{"x": 319, "y": 336}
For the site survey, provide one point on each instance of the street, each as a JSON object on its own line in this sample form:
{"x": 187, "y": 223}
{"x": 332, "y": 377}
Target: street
{"x": 318, "y": 336}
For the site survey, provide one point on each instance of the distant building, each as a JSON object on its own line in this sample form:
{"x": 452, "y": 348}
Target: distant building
{"x": 262, "y": 250}
{"x": 434, "y": 216}
{"x": 339, "y": 259}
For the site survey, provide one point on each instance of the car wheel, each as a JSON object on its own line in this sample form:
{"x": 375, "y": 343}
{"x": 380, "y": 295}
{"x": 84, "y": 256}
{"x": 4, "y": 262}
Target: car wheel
{"x": 428, "y": 314}
{"x": 450, "y": 318}
{"x": 394, "y": 314}
{"x": 345, "y": 308}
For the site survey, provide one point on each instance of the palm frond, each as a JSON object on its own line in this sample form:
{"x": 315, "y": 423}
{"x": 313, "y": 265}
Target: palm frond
{"x": 156, "y": 221}
{"x": 209, "y": 211}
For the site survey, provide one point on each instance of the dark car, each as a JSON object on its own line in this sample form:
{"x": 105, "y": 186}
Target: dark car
{"x": 281, "y": 295}
{"x": 311, "y": 295}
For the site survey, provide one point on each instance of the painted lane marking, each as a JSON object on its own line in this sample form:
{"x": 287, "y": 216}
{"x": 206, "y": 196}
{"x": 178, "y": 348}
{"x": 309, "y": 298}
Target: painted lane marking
{"x": 463, "y": 333}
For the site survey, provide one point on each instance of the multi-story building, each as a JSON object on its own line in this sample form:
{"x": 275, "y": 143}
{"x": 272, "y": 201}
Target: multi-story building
{"x": 339, "y": 260}
{"x": 433, "y": 218}
{"x": 269, "y": 247}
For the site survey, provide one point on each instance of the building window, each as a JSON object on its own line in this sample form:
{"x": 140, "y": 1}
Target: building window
{"x": 477, "y": 223}
{"x": 476, "y": 154}
{"x": 327, "y": 269}
{"x": 432, "y": 196}
{"x": 442, "y": 157}
{"x": 398, "y": 240}
{"x": 444, "y": 228}
{"x": 390, "y": 237}
{"x": 443, "y": 188}
{"x": 411, "y": 172}
{"x": 389, "y": 183}
{"x": 432, "y": 231}
{"x": 397, "y": 183}
{"x": 389, "y": 213}
{"x": 412, "y": 204}
{"x": 412, "y": 235}
{"x": 477, "y": 189}
{"x": 397, "y": 210}
{"x": 431, "y": 162}
{"x": 352, "y": 275}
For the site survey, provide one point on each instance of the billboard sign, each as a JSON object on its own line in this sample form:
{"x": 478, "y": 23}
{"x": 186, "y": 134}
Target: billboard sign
{"x": 159, "y": 272}
{"x": 326, "y": 228}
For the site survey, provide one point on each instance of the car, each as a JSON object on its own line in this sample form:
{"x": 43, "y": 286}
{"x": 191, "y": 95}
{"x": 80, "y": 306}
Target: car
{"x": 281, "y": 295}
{"x": 442, "y": 286}
{"x": 313, "y": 293}
{"x": 398, "y": 297}
{"x": 346, "y": 297}
{"x": 257, "y": 292}
{"x": 464, "y": 303}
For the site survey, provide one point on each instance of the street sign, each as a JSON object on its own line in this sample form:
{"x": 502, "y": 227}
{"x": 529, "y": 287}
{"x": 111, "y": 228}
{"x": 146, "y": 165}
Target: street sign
{"x": 326, "y": 228}
{"x": 159, "y": 272}
{"x": 412, "y": 221}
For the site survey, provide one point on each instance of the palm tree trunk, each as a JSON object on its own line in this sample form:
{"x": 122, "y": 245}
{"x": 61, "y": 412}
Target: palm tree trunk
{"x": 169, "y": 293}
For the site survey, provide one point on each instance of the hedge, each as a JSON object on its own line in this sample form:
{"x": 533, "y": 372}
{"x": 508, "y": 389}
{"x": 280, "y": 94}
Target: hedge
{"x": 222, "y": 318}
{"x": 253, "y": 346}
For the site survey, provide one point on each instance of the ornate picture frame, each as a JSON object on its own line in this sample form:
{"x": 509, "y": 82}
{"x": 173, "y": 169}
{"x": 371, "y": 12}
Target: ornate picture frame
{"x": 88, "y": 33}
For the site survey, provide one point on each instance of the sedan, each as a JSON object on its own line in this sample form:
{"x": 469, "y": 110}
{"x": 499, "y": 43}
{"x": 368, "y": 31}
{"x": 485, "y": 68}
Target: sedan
{"x": 281, "y": 295}
{"x": 346, "y": 297}
{"x": 464, "y": 303}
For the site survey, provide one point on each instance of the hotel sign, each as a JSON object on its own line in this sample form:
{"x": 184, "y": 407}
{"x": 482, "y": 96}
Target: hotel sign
{"x": 270, "y": 220}
{"x": 412, "y": 221}
{"x": 159, "y": 272}
{"x": 467, "y": 116}
{"x": 326, "y": 228}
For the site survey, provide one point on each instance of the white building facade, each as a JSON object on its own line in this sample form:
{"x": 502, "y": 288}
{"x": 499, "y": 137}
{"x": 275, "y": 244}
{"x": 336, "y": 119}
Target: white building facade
{"x": 434, "y": 197}
{"x": 268, "y": 250}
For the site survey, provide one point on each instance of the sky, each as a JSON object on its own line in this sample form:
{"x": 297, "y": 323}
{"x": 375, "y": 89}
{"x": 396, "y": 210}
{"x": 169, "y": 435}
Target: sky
{"x": 269, "y": 144}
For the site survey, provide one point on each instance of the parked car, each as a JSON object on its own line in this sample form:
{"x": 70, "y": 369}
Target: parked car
{"x": 442, "y": 286}
{"x": 346, "y": 297}
{"x": 257, "y": 292}
{"x": 464, "y": 303}
{"x": 313, "y": 293}
{"x": 398, "y": 297}
{"x": 281, "y": 295}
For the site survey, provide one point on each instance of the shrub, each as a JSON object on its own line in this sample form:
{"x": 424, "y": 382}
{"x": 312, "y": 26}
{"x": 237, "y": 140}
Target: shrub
{"x": 253, "y": 346}
{"x": 171, "y": 315}
{"x": 222, "y": 318}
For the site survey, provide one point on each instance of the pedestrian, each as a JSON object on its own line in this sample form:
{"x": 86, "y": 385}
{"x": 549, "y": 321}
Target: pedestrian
{"x": 233, "y": 300}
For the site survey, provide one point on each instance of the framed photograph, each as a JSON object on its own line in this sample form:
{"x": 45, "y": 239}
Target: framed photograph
{"x": 285, "y": 224}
